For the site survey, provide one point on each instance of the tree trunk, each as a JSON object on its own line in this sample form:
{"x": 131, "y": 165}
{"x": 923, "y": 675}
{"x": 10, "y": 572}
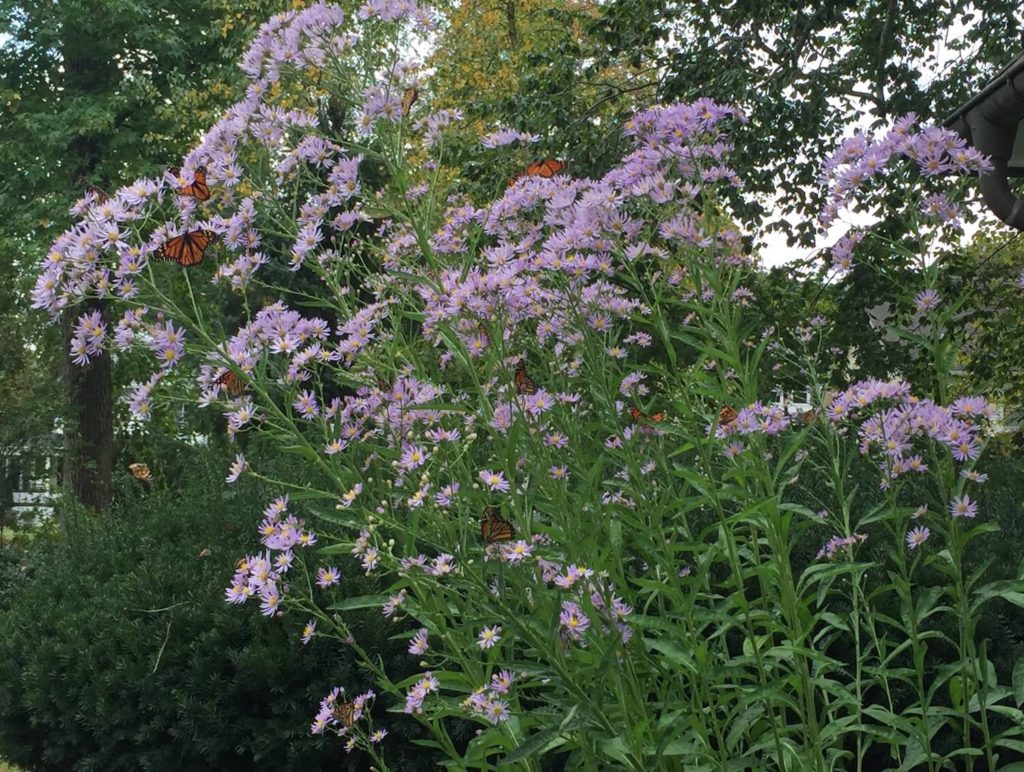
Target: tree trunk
{"x": 89, "y": 424}
{"x": 513, "y": 33}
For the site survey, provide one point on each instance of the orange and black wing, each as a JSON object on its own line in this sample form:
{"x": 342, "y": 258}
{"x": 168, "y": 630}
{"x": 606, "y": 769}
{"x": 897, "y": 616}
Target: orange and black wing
{"x": 409, "y": 99}
{"x": 549, "y": 167}
{"x": 726, "y": 415}
{"x": 494, "y": 528}
{"x": 197, "y": 189}
{"x": 187, "y": 249}
{"x": 637, "y": 415}
{"x": 524, "y": 383}
{"x": 231, "y": 383}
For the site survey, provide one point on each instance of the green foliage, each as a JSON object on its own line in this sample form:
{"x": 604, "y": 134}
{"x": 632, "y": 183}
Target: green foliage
{"x": 986, "y": 276}
{"x": 117, "y": 650}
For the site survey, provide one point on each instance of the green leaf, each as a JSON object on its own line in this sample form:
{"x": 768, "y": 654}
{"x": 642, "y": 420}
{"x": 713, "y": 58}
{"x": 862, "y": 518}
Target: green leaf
{"x": 535, "y": 746}
{"x": 361, "y": 601}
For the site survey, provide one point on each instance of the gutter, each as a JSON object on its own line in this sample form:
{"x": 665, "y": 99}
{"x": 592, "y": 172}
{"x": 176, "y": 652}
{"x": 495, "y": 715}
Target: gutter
{"x": 989, "y": 122}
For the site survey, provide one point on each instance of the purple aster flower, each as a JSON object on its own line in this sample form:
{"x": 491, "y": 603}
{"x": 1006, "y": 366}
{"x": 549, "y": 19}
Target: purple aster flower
{"x": 419, "y": 643}
{"x": 926, "y": 300}
{"x": 494, "y": 480}
{"x": 962, "y": 506}
{"x": 516, "y": 553}
{"x": 573, "y": 621}
{"x": 413, "y": 456}
{"x": 496, "y": 711}
{"x": 270, "y": 599}
{"x": 370, "y": 559}
{"x": 325, "y": 577}
{"x": 572, "y": 575}
{"x": 502, "y": 681}
{"x": 349, "y": 496}
{"x": 917, "y": 536}
{"x": 306, "y": 405}
{"x": 442, "y": 565}
{"x": 489, "y": 637}
{"x": 556, "y": 440}
{"x": 308, "y": 631}
{"x": 237, "y": 469}
{"x": 507, "y": 137}
{"x": 445, "y": 496}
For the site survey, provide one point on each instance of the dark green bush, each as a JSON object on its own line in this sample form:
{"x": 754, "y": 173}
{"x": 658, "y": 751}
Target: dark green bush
{"x": 118, "y": 651}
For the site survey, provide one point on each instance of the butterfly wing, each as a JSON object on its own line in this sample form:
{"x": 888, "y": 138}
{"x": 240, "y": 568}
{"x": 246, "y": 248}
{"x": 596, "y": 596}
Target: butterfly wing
{"x": 197, "y": 189}
{"x": 549, "y": 167}
{"x": 345, "y": 712}
{"x": 726, "y": 415}
{"x": 523, "y": 382}
{"x": 188, "y": 249}
{"x": 636, "y": 413}
{"x": 494, "y": 528}
{"x": 231, "y": 383}
{"x": 173, "y": 249}
{"x": 140, "y": 472}
{"x": 409, "y": 99}
{"x": 198, "y": 241}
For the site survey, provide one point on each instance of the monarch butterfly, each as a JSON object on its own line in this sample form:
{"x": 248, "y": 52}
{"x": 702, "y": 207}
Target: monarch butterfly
{"x": 409, "y": 99}
{"x": 726, "y": 415}
{"x": 140, "y": 472}
{"x": 198, "y": 189}
{"x": 231, "y": 383}
{"x": 345, "y": 712}
{"x": 494, "y": 528}
{"x": 523, "y": 382}
{"x": 188, "y": 248}
{"x": 637, "y": 414}
{"x": 549, "y": 167}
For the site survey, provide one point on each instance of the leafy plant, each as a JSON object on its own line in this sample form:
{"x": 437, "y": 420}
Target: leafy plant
{"x": 117, "y": 650}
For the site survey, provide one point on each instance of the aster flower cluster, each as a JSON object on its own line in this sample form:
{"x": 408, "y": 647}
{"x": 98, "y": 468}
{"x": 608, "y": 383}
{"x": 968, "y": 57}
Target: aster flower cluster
{"x": 573, "y": 620}
{"x": 757, "y": 418}
{"x": 331, "y": 717}
{"x": 88, "y": 338}
{"x": 862, "y": 159}
{"x": 489, "y": 702}
{"x": 840, "y": 544}
{"x": 262, "y": 575}
{"x": 555, "y": 240}
{"x": 891, "y": 419}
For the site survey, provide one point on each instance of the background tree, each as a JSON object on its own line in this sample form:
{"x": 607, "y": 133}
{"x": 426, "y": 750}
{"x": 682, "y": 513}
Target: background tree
{"x": 87, "y": 88}
{"x": 523, "y": 64}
